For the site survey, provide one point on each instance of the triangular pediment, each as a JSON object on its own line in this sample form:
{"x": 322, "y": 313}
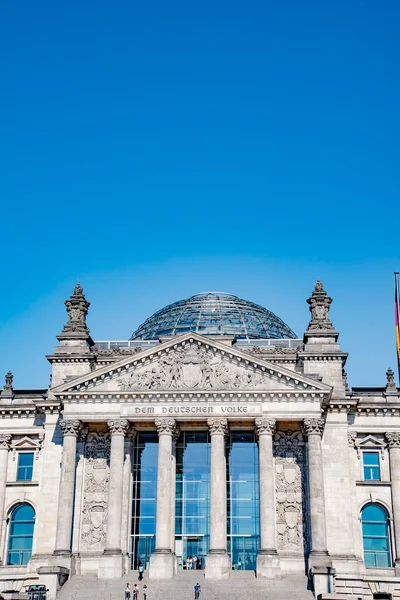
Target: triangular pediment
{"x": 192, "y": 362}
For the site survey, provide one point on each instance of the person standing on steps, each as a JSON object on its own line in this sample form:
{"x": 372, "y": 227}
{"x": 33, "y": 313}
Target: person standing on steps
{"x": 145, "y": 592}
{"x": 140, "y": 571}
{"x": 128, "y": 592}
{"x": 197, "y": 590}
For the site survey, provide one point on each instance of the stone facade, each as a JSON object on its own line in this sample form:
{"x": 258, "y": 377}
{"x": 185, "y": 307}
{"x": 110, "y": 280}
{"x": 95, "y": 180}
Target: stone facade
{"x": 313, "y": 434}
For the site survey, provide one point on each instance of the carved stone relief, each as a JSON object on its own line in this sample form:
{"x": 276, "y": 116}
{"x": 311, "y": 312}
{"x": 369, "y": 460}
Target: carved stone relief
{"x": 95, "y": 493}
{"x": 291, "y": 507}
{"x": 194, "y": 366}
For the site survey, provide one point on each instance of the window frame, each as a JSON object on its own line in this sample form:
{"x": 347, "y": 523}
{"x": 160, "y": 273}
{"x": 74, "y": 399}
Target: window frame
{"x": 388, "y": 536}
{"x": 11, "y": 536}
{"x": 20, "y": 453}
{"x": 379, "y": 466}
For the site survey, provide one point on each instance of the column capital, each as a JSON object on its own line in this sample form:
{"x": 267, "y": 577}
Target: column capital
{"x": 118, "y": 426}
{"x": 313, "y": 426}
{"x": 218, "y": 426}
{"x": 71, "y": 427}
{"x": 5, "y": 439}
{"x": 393, "y": 439}
{"x": 166, "y": 426}
{"x": 265, "y": 426}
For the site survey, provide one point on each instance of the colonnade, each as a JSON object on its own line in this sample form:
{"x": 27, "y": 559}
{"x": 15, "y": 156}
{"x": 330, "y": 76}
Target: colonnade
{"x": 162, "y": 562}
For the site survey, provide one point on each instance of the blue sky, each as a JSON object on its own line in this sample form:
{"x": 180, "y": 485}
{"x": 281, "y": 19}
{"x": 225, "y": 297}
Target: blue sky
{"x": 154, "y": 150}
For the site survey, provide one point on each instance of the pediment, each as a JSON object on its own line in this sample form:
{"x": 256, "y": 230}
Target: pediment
{"x": 192, "y": 362}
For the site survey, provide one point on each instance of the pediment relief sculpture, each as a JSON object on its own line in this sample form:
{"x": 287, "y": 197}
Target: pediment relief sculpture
{"x": 196, "y": 367}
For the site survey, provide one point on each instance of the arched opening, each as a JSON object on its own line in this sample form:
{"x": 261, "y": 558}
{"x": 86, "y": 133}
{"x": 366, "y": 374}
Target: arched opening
{"x": 20, "y": 537}
{"x": 375, "y": 532}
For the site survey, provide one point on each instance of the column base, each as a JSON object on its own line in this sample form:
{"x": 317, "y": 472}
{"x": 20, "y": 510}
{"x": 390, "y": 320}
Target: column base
{"x": 319, "y": 558}
{"x": 397, "y": 568}
{"x": 268, "y": 564}
{"x": 162, "y": 564}
{"x": 111, "y": 565}
{"x": 218, "y": 565}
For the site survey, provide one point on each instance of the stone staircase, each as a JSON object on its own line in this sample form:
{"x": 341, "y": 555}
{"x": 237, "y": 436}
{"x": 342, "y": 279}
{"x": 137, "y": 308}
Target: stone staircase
{"x": 242, "y": 585}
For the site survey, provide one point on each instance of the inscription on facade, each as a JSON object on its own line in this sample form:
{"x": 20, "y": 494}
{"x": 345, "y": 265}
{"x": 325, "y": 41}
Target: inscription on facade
{"x": 168, "y": 409}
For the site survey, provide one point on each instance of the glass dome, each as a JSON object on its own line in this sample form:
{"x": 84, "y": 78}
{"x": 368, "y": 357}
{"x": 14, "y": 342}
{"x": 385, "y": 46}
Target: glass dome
{"x": 214, "y": 313}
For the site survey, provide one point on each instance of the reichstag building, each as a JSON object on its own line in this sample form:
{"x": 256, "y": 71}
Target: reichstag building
{"x": 214, "y": 432}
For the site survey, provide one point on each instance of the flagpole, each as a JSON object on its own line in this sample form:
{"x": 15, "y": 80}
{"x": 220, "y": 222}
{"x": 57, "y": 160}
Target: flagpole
{"x": 397, "y": 321}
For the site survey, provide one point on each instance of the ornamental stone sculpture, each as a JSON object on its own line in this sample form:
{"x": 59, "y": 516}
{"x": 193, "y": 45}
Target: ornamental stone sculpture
{"x": 5, "y": 440}
{"x": 77, "y": 308}
{"x": 8, "y": 386}
{"x": 390, "y": 383}
{"x": 265, "y": 426}
{"x": 118, "y": 426}
{"x": 313, "y": 426}
{"x": 218, "y": 426}
{"x": 71, "y": 427}
{"x": 393, "y": 439}
{"x": 167, "y": 426}
{"x": 319, "y": 307}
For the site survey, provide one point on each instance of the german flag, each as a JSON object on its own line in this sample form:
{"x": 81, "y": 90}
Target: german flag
{"x": 396, "y": 317}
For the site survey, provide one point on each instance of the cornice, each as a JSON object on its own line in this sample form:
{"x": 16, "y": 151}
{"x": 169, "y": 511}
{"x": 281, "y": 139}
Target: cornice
{"x": 209, "y": 396}
{"x": 69, "y": 358}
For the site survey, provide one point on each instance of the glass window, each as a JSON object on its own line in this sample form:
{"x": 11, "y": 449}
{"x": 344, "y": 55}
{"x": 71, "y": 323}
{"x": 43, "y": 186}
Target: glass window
{"x": 25, "y": 466}
{"x": 21, "y": 535}
{"x": 375, "y": 536}
{"x": 371, "y": 466}
{"x": 192, "y": 507}
{"x": 243, "y": 507}
{"x": 145, "y": 461}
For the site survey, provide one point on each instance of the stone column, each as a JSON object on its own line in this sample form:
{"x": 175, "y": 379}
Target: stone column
{"x": 162, "y": 559}
{"x": 111, "y": 566}
{"x": 218, "y": 563}
{"x": 5, "y": 440}
{"x": 319, "y": 556}
{"x": 393, "y": 439}
{"x": 173, "y": 496}
{"x": 267, "y": 559}
{"x": 70, "y": 429}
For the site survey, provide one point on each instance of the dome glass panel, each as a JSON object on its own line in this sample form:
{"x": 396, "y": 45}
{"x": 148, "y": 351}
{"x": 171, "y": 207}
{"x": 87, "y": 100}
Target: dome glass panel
{"x": 214, "y": 313}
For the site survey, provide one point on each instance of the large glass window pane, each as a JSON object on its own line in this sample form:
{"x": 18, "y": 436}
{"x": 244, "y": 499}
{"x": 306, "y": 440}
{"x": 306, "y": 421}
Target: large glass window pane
{"x": 243, "y": 499}
{"x": 25, "y": 466}
{"x": 375, "y": 536}
{"x": 145, "y": 468}
{"x": 371, "y": 466}
{"x": 192, "y": 495}
{"x": 21, "y": 535}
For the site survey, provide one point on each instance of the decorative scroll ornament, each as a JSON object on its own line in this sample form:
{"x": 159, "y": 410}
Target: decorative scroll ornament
{"x": 393, "y": 439}
{"x": 118, "y": 426}
{"x": 291, "y": 495}
{"x": 77, "y": 309}
{"x": 319, "y": 307}
{"x": 218, "y": 426}
{"x": 5, "y": 440}
{"x": 390, "y": 383}
{"x": 265, "y": 426}
{"x": 313, "y": 426}
{"x": 167, "y": 426}
{"x": 194, "y": 366}
{"x": 71, "y": 427}
{"x": 351, "y": 438}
